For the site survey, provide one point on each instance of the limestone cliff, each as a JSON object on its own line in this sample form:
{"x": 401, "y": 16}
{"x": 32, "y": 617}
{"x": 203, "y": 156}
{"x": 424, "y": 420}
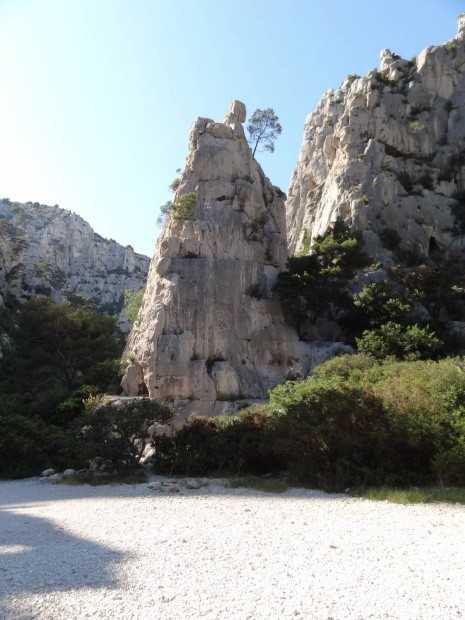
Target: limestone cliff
{"x": 47, "y": 250}
{"x": 209, "y": 330}
{"x": 387, "y": 153}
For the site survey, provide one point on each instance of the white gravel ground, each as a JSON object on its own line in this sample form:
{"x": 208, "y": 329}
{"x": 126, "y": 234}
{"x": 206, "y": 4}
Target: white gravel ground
{"x": 128, "y": 552}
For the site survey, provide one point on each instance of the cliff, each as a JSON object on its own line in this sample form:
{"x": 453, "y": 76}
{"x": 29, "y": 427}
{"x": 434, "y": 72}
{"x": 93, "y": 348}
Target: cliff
{"x": 386, "y": 152}
{"x": 209, "y": 330}
{"x": 47, "y": 250}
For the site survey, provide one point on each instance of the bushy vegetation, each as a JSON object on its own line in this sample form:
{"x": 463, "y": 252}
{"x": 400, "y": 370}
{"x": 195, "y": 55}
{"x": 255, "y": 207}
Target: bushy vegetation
{"x": 183, "y": 209}
{"x": 118, "y": 433}
{"x": 211, "y": 445}
{"x": 56, "y": 359}
{"x": 394, "y": 340}
{"x": 355, "y": 422}
{"x": 316, "y": 284}
{"x": 132, "y": 303}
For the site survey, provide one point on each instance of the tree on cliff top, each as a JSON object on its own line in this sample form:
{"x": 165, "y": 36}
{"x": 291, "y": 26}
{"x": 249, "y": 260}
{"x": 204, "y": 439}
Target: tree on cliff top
{"x": 263, "y": 130}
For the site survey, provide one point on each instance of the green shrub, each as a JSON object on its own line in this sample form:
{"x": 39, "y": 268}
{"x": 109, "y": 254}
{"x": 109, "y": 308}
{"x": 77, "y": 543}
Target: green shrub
{"x": 392, "y": 339}
{"x": 390, "y": 239}
{"x": 424, "y": 404}
{"x": 119, "y": 432}
{"x": 28, "y": 446}
{"x": 451, "y": 47}
{"x": 330, "y": 433}
{"x": 377, "y": 304}
{"x": 185, "y": 207}
{"x": 344, "y": 366}
{"x": 390, "y": 423}
{"x": 415, "y": 127}
{"x": 239, "y": 447}
{"x": 189, "y": 451}
{"x": 233, "y": 445}
{"x": 316, "y": 283}
{"x": 132, "y": 303}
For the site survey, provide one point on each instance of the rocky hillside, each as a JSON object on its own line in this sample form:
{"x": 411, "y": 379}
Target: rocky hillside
{"x": 47, "y": 250}
{"x": 386, "y": 152}
{"x": 209, "y": 330}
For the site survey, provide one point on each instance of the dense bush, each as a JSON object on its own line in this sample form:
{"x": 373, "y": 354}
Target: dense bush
{"x": 392, "y": 339}
{"x": 316, "y": 284}
{"x": 218, "y": 445}
{"x": 375, "y": 423}
{"x": 377, "y": 304}
{"x": 118, "y": 433}
{"x": 356, "y": 421}
{"x": 28, "y": 445}
{"x": 56, "y": 356}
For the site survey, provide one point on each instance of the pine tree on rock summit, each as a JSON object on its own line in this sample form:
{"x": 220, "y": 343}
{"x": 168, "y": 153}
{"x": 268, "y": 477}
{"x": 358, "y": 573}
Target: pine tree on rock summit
{"x": 263, "y": 130}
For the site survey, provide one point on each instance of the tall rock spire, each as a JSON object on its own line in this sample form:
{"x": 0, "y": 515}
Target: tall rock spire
{"x": 209, "y": 330}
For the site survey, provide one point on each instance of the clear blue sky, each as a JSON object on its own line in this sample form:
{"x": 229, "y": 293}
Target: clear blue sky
{"x": 97, "y": 96}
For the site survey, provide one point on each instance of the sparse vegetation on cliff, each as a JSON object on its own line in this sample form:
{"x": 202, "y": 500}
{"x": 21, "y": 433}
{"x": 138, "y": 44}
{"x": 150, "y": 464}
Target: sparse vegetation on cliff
{"x": 263, "y": 128}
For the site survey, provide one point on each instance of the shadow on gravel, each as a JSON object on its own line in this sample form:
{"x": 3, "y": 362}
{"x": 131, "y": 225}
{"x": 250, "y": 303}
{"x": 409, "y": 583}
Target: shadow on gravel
{"x": 38, "y": 557}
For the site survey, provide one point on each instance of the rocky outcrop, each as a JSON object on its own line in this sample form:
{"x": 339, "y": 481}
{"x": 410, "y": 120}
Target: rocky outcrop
{"x": 209, "y": 330}
{"x": 47, "y": 250}
{"x": 387, "y": 153}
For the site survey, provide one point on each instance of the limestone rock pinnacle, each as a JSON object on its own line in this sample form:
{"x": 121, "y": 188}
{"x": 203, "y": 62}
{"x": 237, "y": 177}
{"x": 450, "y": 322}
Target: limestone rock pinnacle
{"x": 210, "y": 330}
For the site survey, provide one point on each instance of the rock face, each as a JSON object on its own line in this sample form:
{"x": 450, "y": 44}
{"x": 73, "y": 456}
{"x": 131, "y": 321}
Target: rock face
{"x": 209, "y": 330}
{"x": 47, "y": 250}
{"x": 387, "y": 153}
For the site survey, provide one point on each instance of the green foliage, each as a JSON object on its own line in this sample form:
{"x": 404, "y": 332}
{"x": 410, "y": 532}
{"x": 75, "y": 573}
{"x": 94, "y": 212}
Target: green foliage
{"x": 165, "y": 210}
{"x": 415, "y": 127}
{"x": 118, "y": 433}
{"x": 355, "y": 422}
{"x": 80, "y": 301}
{"x": 392, "y": 339}
{"x": 263, "y": 130}
{"x": 27, "y": 446}
{"x": 190, "y": 451}
{"x": 56, "y": 346}
{"x": 317, "y": 283}
{"x": 375, "y": 424}
{"x": 70, "y": 406}
{"x": 217, "y": 445}
{"x": 352, "y": 77}
{"x": 451, "y": 47}
{"x": 416, "y": 495}
{"x": 390, "y": 239}
{"x": 306, "y": 243}
{"x": 438, "y": 285}
{"x": 175, "y": 184}
{"x": 55, "y": 276}
{"x": 132, "y": 303}
{"x": 377, "y": 304}
{"x": 329, "y": 432}
{"x": 185, "y": 207}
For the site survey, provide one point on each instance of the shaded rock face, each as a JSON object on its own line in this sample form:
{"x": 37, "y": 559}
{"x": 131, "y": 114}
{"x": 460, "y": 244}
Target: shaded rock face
{"x": 387, "y": 153}
{"x": 209, "y": 330}
{"x": 47, "y": 250}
